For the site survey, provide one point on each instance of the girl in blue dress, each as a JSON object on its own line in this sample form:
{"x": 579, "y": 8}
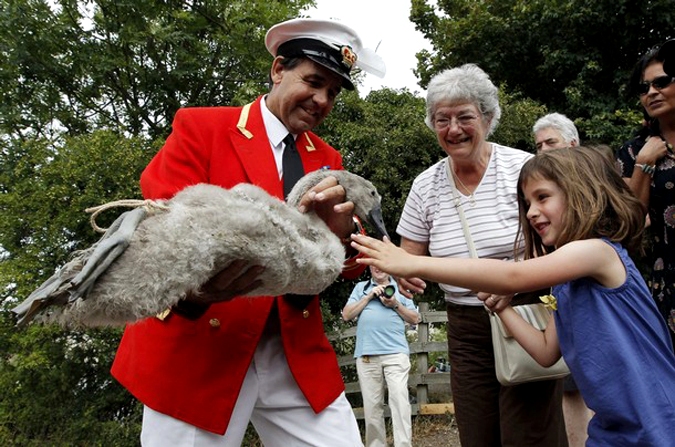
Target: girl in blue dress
{"x": 579, "y": 220}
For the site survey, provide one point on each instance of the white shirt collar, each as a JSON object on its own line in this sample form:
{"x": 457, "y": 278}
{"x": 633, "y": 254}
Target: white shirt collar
{"x": 276, "y": 131}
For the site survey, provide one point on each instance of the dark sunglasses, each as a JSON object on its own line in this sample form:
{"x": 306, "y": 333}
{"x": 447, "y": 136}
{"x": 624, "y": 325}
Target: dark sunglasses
{"x": 658, "y": 83}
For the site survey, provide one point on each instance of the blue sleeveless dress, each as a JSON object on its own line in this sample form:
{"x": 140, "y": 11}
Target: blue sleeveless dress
{"x": 619, "y": 351}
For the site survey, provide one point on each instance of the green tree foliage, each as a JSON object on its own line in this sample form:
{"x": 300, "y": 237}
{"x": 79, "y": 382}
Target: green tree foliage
{"x": 574, "y": 56}
{"x": 44, "y": 193}
{"x": 383, "y": 138}
{"x": 57, "y": 389}
{"x": 128, "y": 64}
{"x": 515, "y": 124}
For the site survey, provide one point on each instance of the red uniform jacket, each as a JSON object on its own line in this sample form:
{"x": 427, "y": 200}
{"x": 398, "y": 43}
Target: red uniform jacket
{"x": 193, "y": 370}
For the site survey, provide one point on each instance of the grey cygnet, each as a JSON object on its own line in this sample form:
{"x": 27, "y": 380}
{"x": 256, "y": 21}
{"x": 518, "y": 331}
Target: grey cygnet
{"x": 148, "y": 261}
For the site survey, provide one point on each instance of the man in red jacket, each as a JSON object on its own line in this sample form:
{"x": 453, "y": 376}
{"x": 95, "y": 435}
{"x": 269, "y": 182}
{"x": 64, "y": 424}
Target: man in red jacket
{"x": 215, "y": 362}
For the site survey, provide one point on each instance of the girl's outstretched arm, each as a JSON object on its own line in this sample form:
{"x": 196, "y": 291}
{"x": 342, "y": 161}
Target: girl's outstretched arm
{"x": 584, "y": 258}
{"x": 469, "y": 273}
{"x": 542, "y": 346}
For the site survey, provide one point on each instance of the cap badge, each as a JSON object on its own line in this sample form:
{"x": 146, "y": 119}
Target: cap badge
{"x": 348, "y": 56}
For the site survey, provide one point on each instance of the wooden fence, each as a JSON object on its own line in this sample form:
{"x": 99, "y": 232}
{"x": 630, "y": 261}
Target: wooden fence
{"x": 421, "y": 378}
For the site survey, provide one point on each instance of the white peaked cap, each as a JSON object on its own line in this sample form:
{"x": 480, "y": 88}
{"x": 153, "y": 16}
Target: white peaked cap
{"x": 328, "y": 43}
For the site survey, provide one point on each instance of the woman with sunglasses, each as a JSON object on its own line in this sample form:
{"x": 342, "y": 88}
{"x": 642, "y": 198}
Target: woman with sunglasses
{"x": 648, "y": 165}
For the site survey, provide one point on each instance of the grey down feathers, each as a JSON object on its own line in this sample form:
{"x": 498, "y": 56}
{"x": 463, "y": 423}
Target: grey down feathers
{"x": 148, "y": 260}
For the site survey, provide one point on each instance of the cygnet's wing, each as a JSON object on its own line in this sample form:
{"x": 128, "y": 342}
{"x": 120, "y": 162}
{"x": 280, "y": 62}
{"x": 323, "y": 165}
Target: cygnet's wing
{"x": 75, "y": 279}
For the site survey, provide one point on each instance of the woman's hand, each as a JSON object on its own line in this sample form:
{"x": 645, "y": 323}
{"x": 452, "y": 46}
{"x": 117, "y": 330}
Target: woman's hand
{"x": 410, "y": 286}
{"x": 655, "y": 148}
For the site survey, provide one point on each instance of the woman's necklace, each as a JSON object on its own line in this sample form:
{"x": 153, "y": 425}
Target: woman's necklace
{"x": 470, "y": 196}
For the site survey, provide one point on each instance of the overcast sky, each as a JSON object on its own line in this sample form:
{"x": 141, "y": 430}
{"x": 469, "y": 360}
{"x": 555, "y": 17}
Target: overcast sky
{"x": 384, "y": 23}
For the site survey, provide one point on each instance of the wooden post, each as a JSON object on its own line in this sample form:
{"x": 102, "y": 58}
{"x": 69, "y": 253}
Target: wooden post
{"x": 423, "y": 357}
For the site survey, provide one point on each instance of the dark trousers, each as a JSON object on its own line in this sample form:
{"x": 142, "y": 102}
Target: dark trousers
{"x": 487, "y": 413}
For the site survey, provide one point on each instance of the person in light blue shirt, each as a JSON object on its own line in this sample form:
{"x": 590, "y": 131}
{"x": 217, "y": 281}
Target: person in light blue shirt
{"x": 382, "y": 355}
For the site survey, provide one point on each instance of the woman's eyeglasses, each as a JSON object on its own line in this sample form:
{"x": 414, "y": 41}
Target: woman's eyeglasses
{"x": 441, "y": 122}
{"x": 658, "y": 83}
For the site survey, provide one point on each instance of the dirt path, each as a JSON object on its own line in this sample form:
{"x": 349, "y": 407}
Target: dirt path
{"x": 435, "y": 431}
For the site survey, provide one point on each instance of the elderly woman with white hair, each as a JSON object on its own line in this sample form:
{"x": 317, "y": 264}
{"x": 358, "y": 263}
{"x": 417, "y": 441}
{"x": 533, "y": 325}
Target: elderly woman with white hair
{"x": 471, "y": 194}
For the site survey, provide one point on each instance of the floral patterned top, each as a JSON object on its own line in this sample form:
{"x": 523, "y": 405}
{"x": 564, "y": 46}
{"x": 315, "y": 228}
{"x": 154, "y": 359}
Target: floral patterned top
{"x": 662, "y": 230}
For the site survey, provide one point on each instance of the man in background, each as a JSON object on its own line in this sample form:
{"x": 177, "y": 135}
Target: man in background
{"x": 382, "y": 355}
{"x": 553, "y": 131}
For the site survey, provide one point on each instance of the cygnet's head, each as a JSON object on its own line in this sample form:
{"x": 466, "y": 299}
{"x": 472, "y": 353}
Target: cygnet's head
{"x": 364, "y": 195}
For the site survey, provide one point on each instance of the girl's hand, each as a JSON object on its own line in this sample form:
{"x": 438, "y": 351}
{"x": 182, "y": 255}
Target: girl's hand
{"x": 384, "y": 255}
{"x": 495, "y": 303}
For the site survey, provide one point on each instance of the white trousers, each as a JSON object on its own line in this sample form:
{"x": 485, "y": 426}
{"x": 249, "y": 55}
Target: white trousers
{"x": 272, "y": 401}
{"x": 374, "y": 371}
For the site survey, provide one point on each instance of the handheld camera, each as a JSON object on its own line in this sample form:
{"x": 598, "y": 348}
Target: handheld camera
{"x": 389, "y": 291}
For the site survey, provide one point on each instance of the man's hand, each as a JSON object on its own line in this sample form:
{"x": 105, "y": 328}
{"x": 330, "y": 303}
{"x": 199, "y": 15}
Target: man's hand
{"x": 327, "y": 199}
{"x": 377, "y": 292}
{"x": 234, "y": 280}
{"x": 389, "y": 302}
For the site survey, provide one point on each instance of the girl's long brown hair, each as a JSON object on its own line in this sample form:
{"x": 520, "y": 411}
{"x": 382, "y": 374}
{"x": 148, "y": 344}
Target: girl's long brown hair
{"x": 599, "y": 203}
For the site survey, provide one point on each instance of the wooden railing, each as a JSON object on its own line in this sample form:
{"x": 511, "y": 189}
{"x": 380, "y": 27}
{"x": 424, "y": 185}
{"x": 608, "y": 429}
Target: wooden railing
{"x": 421, "y": 378}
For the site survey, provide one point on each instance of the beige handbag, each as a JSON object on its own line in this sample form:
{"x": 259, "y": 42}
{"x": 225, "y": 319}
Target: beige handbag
{"x": 513, "y": 365}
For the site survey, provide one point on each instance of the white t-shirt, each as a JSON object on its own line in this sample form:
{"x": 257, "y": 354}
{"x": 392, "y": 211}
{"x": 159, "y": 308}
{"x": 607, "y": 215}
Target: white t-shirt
{"x": 430, "y": 214}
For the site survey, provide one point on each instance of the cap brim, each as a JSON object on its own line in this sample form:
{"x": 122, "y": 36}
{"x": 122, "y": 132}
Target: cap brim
{"x": 346, "y": 81}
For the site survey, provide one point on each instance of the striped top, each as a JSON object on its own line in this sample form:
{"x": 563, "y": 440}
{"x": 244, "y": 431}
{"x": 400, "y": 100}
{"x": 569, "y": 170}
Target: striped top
{"x": 430, "y": 214}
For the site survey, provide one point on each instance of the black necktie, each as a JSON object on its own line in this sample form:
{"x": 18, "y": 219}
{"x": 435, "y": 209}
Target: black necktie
{"x": 292, "y": 172}
{"x": 291, "y": 164}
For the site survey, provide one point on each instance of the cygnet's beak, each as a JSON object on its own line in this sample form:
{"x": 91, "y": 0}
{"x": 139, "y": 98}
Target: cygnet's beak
{"x": 375, "y": 219}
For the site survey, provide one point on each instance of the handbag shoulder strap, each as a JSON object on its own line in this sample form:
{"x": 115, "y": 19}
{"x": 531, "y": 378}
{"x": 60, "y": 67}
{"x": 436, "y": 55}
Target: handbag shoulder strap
{"x": 460, "y": 210}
